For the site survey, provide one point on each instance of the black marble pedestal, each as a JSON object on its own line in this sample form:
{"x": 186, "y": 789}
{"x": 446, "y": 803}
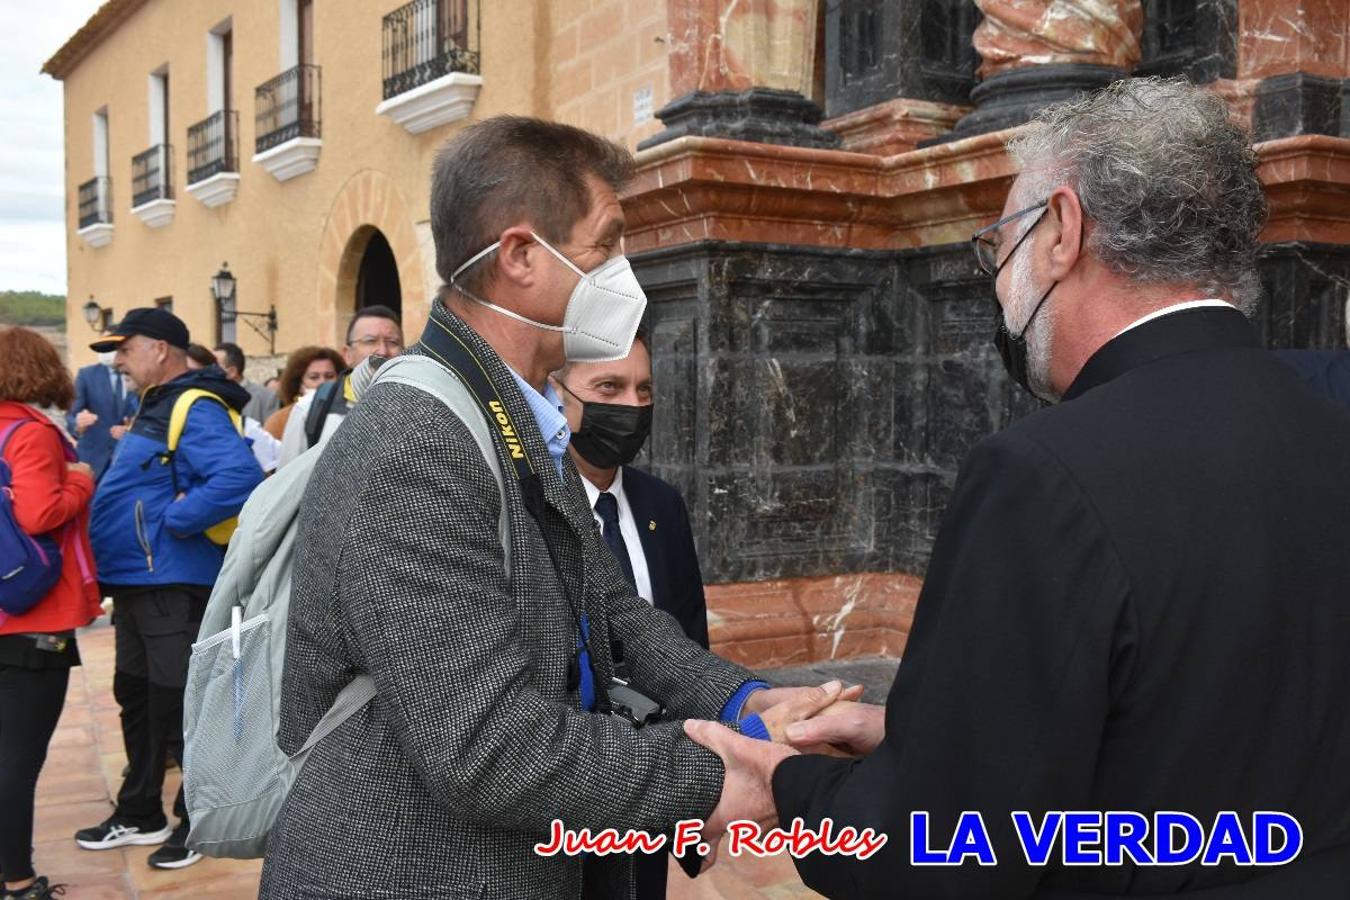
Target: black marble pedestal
{"x": 814, "y": 405}
{"x": 764, "y": 115}
{"x": 1297, "y": 103}
{"x": 1011, "y": 98}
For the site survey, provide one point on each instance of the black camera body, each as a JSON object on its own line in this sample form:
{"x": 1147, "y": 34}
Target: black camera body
{"x": 629, "y": 703}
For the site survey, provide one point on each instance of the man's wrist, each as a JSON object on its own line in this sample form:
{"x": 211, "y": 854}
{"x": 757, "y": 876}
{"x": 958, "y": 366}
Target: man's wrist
{"x": 741, "y": 703}
{"x": 752, "y": 726}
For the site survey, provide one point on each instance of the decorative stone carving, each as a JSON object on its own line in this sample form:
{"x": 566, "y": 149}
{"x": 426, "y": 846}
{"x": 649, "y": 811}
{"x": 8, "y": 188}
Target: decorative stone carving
{"x": 896, "y": 126}
{"x": 1040, "y": 52}
{"x": 1197, "y": 39}
{"x": 1016, "y": 34}
{"x": 724, "y": 45}
{"x": 1279, "y": 38}
{"x": 743, "y": 69}
{"x": 884, "y": 50}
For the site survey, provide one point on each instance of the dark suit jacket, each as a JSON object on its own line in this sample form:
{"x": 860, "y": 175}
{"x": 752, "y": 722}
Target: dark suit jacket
{"x": 1139, "y": 600}
{"x": 1325, "y": 370}
{"x": 677, "y": 588}
{"x": 672, "y": 561}
{"x": 94, "y": 392}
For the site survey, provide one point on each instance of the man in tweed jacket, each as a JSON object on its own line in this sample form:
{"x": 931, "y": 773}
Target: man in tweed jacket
{"x": 476, "y": 740}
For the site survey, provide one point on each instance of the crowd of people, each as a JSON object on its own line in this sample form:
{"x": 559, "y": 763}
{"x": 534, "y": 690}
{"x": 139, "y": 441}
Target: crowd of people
{"x": 137, "y": 467}
{"x": 1128, "y": 588}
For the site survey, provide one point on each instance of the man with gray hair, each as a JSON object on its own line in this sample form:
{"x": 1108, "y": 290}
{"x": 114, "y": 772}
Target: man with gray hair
{"x": 1138, "y": 598}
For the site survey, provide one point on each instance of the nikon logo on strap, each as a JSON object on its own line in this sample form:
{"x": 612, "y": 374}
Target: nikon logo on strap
{"x": 507, "y": 429}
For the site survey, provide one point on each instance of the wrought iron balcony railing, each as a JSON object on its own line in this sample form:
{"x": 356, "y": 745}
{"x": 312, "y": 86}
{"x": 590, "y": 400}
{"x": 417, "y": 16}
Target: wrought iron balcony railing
{"x": 427, "y": 39}
{"x": 150, "y": 175}
{"x": 213, "y": 146}
{"x": 95, "y": 201}
{"x": 287, "y": 107}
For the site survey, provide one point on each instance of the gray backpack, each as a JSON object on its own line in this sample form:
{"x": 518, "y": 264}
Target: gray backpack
{"x": 234, "y": 775}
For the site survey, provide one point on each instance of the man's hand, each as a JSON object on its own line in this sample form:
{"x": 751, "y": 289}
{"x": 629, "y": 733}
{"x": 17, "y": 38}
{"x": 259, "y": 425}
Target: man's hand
{"x": 83, "y": 420}
{"x": 778, "y": 708}
{"x": 82, "y": 468}
{"x": 855, "y": 728}
{"x": 762, "y": 700}
{"x": 117, "y": 431}
{"x": 747, "y": 791}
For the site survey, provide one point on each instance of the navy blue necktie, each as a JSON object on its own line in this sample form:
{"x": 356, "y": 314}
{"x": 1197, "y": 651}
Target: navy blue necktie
{"x": 608, "y": 510}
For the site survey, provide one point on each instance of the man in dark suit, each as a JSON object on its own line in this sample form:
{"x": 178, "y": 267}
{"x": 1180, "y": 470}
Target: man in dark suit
{"x": 98, "y": 417}
{"x": 1138, "y": 599}
{"x": 642, "y": 519}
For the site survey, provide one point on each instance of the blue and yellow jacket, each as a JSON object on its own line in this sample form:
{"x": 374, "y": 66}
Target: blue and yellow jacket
{"x": 141, "y": 534}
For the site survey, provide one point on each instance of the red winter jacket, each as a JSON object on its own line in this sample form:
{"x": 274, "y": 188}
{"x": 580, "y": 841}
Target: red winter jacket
{"x": 50, "y": 497}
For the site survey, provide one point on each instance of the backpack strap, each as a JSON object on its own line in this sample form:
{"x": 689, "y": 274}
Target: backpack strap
{"x": 9, "y": 432}
{"x": 432, "y": 378}
{"x": 354, "y": 695}
{"x": 4, "y": 442}
{"x": 183, "y": 405}
{"x": 220, "y": 532}
{"x": 332, "y": 397}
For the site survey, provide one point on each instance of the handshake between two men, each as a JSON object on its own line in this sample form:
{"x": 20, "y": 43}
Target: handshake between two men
{"x": 827, "y": 719}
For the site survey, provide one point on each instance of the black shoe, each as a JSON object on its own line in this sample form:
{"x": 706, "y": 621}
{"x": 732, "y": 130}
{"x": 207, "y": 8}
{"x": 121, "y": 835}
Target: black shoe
{"x": 38, "y": 890}
{"x": 175, "y": 854}
{"x": 118, "y": 832}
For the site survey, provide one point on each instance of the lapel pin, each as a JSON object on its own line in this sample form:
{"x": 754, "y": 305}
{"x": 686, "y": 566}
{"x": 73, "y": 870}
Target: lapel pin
{"x": 651, "y": 524}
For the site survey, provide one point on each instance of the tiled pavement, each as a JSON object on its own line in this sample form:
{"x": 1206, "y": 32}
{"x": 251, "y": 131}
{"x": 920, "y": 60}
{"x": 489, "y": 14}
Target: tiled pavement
{"x": 82, "y": 774}
{"x": 84, "y": 768}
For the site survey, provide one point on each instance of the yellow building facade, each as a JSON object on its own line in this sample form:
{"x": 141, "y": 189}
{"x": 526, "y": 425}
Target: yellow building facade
{"x": 293, "y": 140}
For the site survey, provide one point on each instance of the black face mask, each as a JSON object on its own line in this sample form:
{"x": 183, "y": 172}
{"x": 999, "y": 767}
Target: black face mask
{"x": 611, "y": 434}
{"x": 1012, "y": 348}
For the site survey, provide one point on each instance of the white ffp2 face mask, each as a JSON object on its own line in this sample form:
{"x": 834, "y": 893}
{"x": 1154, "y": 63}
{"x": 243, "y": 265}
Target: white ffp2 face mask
{"x": 602, "y": 314}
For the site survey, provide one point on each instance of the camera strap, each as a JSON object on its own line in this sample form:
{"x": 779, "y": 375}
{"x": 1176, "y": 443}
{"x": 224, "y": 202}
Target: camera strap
{"x": 455, "y": 354}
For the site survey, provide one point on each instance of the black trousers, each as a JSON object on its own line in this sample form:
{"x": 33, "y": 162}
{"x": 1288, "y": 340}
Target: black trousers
{"x": 650, "y": 873}
{"x": 30, "y": 705}
{"x": 155, "y": 630}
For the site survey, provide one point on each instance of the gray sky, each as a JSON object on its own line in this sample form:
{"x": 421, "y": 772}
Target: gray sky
{"x": 32, "y": 168}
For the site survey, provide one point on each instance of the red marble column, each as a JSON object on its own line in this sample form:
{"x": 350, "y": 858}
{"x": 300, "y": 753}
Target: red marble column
{"x": 743, "y": 69}
{"x": 1039, "y": 52}
{"x": 1278, "y": 37}
{"x": 1019, "y": 34}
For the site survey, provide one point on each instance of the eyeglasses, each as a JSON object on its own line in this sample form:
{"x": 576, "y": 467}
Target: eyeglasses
{"x": 367, "y": 343}
{"x": 986, "y": 241}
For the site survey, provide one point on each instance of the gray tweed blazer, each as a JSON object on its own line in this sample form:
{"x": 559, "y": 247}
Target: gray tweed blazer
{"x": 442, "y": 785}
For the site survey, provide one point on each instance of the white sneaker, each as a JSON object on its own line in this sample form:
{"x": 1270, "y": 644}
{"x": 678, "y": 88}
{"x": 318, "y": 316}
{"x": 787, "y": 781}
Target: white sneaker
{"x": 116, "y": 832}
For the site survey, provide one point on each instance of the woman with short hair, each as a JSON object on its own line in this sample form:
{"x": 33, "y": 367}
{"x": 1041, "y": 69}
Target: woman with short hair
{"x": 306, "y": 369}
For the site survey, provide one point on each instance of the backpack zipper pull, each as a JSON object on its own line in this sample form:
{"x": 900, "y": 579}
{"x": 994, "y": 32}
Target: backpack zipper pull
{"x": 236, "y": 616}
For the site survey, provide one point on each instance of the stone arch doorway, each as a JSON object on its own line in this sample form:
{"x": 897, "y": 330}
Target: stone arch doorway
{"x": 370, "y": 254}
{"x": 377, "y": 282}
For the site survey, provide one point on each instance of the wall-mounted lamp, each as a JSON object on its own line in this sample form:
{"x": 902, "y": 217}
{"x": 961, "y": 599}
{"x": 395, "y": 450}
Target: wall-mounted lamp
{"x": 98, "y": 317}
{"x": 223, "y": 286}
